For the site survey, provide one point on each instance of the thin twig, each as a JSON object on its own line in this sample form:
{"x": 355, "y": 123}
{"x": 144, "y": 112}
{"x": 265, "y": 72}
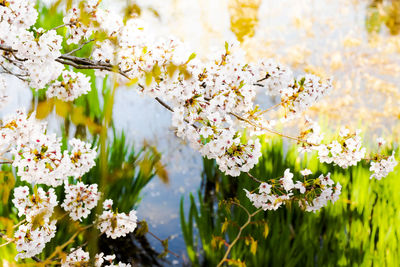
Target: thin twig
{"x": 159, "y": 239}
{"x": 164, "y": 104}
{"x": 4, "y": 236}
{"x": 269, "y": 109}
{"x": 18, "y": 224}
{"x": 60, "y": 26}
{"x": 79, "y": 48}
{"x": 249, "y": 217}
{"x": 254, "y": 178}
{"x": 270, "y": 130}
{"x": 36, "y": 259}
{"x": 5, "y": 244}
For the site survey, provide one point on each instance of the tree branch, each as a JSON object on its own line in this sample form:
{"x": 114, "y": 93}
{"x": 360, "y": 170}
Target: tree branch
{"x": 249, "y": 217}
{"x": 85, "y": 63}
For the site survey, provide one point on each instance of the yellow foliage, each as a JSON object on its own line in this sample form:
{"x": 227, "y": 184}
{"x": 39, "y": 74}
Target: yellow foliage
{"x": 237, "y": 263}
{"x": 7, "y": 182}
{"x": 93, "y": 127}
{"x": 253, "y": 246}
{"x": 78, "y": 116}
{"x": 244, "y": 17}
{"x": 162, "y": 173}
{"x": 132, "y": 82}
{"x": 148, "y": 78}
{"x": 44, "y": 108}
{"x": 224, "y": 226}
{"x": 62, "y": 108}
{"x": 266, "y": 230}
{"x": 7, "y": 224}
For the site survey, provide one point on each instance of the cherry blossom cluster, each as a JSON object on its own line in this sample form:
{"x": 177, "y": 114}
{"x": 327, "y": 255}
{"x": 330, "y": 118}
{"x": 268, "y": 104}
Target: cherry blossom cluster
{"x": 306, "y": 90}
{"x": 79, "y": 257}
{"x": 39, "y": 160}
{"x": 205, "y": 95}
{"x": 37, "y": 155}
{"x": 346, "y": 151}
{"x": 80, "y": 159}
{"x": 31, "y": 205}
{"x": 18, "y": 128}
{"x": 34, "y": 53}
{"x": 15, "y": 17}
{"x": 115, "y": 224}
{"x": 296, "y": 94}
{"x": 72, "y": 85}
{"x": 311, "y": 194}
{"x": 278, "y": 79}
{"x": 39, "y": 49}
{"x": 80, "y": 199}
{"x": 31, "y": 238}
{"x": 381, "y": 166}
{"x": 76, "y": 29}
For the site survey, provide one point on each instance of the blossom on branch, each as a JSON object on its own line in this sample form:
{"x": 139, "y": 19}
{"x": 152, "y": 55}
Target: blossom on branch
{"x": 31, "y": 205}
{"x": 80, "y": 199}
{"x": 115, "y": 224}
{"x": 73, "y": 85}
{"x": 31, "y": 238}
{"x": 310, "y": 194}
{"x": 382, "y": 168}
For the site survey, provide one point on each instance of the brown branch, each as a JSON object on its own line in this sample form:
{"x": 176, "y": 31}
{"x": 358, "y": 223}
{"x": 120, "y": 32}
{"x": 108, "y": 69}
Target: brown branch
{"x": 165, "y": 105}
{"x": 159, "y": 239}
{"x": 254, "y": 178}
{"x": 249, "y": 217}
{"x": 7, "y": 48}
{"x": 85, "y": 63}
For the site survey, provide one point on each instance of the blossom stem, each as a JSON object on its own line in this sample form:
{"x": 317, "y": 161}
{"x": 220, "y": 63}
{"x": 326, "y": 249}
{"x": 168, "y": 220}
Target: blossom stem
{"x": 270, "y": 130}
{"x": 249, "y": 217}
{"x": 270, "y": 108}
{"x": 159, "y": 239}
{"x": 79, "y": 48}
{"x": 61, "y": 26}
{"x": 254, "y": 178}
